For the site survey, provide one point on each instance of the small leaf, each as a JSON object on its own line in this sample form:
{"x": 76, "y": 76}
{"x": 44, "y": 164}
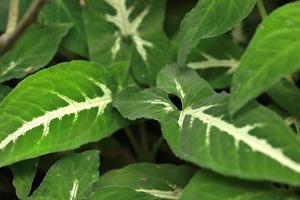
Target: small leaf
{"x": 287, "y": 96}
{"x": 59, "y": 11}
{"x": 210, "y": 186}
{"x": 113, "y": 35}
{"x": 160, "y": 181}
{"x": 265, "y": 62}
{"x": 33, "y": 50}
{"x": 23, "y": 173}
{"x": 60, "y": 108}
{"x": 210, "y": 18}
{"x": 204, "y": 133}
{"x": 71, "y": 177}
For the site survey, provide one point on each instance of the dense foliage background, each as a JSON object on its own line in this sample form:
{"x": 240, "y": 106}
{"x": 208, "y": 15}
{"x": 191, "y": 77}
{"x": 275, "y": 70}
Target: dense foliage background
{"x": 47, "y": 43}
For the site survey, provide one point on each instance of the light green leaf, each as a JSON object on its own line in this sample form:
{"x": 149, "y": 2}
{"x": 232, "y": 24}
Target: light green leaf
{"x": 71, "y": 178}
{"x": 4, "y": 4}
{"x": 253, "y": 145}
{"x": 286, "y": 95}
{"x": 208, "y": 19}
{"x": 60, "y": 11}
{"x": 4, "y": 90}
{"x": 33, "y": 50}
{"x": 113, "y": 35}
{"x": 60, "y": 108}
{"x": 206, "y": 185}
{"x": 160, "y": 181}
{"x": 23, "y": 173}
{"x": 265, "y": 62}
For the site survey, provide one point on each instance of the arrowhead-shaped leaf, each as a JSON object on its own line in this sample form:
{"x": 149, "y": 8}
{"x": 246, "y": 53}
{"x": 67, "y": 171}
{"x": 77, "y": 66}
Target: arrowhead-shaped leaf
{"x": 60, "y": 108}
{"x": 24, "y": 57}
{"x": 159, "y": 181}
{"x": 210, "y": 18}
{"x": 70, "y": 178}
{"x": 128, "y": 30}
{"x": 206, "y": 185}
{"x": 265, "y": 62}
{"x": 253, "y": 145}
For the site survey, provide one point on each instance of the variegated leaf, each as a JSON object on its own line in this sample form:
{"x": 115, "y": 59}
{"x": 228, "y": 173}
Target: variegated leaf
{"x": 158, "y": 181}
{"x": 256, "y": 144}
{"x": 70, "y": 178}
{"x": 128, "y": 30}
{"x": 59, "y": 108}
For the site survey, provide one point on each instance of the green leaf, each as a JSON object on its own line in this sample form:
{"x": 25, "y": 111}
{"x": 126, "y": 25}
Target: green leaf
{"x": 4, "y": 4}
{"x": 139, "y": 39}
{"x": 216, "y": 59}
{"x": 33, "y": 50}
{"x": 210, "y": 18}
{"x": 119, "y": 193}
{"x": 287, "y": 96}
{"x": 160, "y": 181}
{"x": 256, "y": 140}
{"x": 23, "y": 173}
{"x": 60, "y": 108}
{"x": 271, "y": 55}
{"x": 4, "y": 90}
{"x": 206, "y": 185}
{"x": 71, "y": 177}
{"x": 60, "y": 11}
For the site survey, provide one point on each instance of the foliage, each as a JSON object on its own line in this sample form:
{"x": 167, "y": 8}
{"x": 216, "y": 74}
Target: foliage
{"x": 94, "y": 76}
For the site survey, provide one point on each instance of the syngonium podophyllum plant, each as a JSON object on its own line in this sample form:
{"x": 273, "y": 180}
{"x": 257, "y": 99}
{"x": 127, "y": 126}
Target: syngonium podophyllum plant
{"x": 200, "y": 85}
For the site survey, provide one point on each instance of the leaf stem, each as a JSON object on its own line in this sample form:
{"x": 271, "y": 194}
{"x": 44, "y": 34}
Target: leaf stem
{"x": 262, "y": 9}
{"x": 12, "y": 16}
{"x": 133, "y": 141}
{"x": 144, "y": 137}
{"x": 157, "y": 145}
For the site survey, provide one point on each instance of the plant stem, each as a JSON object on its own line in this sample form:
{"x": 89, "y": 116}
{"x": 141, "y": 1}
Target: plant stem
{"x": 12, "y": 16}
{"x": 262, "y": 9}
{"x": 157, "y": 145}
{"x": 133, "y": 141}
{"x": 8, "y": 38}
{"x": 144, "y": 137}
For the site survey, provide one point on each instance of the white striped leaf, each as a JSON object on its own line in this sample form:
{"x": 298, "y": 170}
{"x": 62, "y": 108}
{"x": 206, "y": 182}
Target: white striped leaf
{"x": 158, "y": 181}
{"x": 59, "y": 108}
{"x": 256, "y": 144}
{"x": 70, "y": 178}
{"x": 128, "y": 30}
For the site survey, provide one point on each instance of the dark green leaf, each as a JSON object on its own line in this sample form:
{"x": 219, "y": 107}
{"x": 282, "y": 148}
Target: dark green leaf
{"x": 71, "y": 178}
{"x": 23, "y": 173}
{"x": 32, "y": 51}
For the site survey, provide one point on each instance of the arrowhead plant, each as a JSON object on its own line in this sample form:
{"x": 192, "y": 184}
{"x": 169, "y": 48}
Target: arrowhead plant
{"x": 154, "y": 99}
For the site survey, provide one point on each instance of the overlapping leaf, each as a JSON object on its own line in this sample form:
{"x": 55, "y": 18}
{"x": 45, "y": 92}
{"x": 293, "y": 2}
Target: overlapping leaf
{"x": 71, "y": 177}
{"x": 24, "y": 173}
{"x": 128, "y": 30}
{"x": 256, "y": 144}
{"x": 60, "y": 11}
{"x": 209, "y": 186}
{"x": 210, "y": 18}
{"x": 271, "y": 55}
{"x": 4, "y": 90}
{"x": 60, "y": 108}
{"x": 33, "y": 50}
{"x": 144, "y": 180}
{"x": 286, "y": 95}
